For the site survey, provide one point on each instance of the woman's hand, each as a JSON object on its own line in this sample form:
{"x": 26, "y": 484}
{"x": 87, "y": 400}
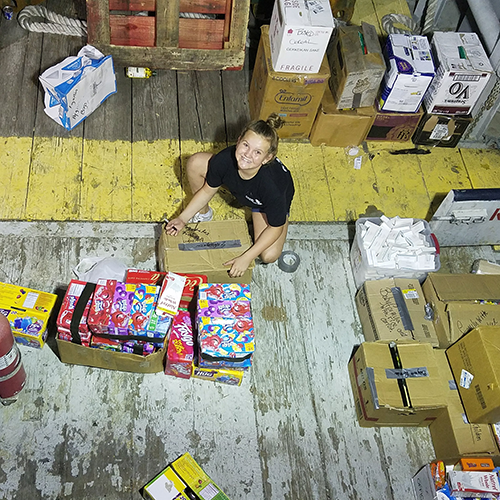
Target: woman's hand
{"x": 238, "y": 266}
{"x": 174, "y": 227}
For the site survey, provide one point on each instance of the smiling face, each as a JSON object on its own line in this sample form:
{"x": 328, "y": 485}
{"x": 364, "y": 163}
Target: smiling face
{"x": 251, "y": 152}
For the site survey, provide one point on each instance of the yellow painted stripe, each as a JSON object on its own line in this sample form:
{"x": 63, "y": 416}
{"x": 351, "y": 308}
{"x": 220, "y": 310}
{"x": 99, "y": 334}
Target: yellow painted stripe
{"x": 156, "y": 180}
{"x": 483, "y": 167}
{"x": 15, "y": 155}
{"x": 106, "y": 191}
{"x": 353, "y": 191}
{"x": 312, "y": 197}
{"x": 55, "y": 179}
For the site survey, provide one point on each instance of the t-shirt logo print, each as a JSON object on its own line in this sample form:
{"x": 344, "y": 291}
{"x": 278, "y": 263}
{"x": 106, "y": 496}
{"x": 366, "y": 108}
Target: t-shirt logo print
{"x": 255, "y": 201}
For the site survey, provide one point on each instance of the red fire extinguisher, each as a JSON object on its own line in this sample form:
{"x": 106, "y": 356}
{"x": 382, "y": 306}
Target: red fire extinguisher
{"x": 12, "y": 374}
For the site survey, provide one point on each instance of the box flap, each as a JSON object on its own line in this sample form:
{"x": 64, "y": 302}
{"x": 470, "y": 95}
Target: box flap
{"x": 465, "y": 287}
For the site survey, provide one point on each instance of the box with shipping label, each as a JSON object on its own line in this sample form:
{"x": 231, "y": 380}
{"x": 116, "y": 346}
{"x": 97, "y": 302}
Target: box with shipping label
{"x": 202, "y": 248}
{"x": 463, "y": 70}
{"x": 394, "y": 309}
{"x": 295, "y": 97}
{"x": 357, "y": 66}
{"x": 393, "y": 126}
{"x": 28, "y": 312}
{"x": 475, "y": 363}
{"x": 395, "y": 384}
{"x": 461, "y": 302}
{"x": 453, "y": 437}
{"x": 183, "y": 479}
{"x": 222, "y": 375}
{"x": 299, "y": 33}
{"x": 340, "y": 128}
{"x": 410, "y": 70}
{"x": 440, "y": 130}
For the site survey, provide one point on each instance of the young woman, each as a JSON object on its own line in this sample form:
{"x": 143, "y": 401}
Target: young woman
{"x": 256, "y": 178}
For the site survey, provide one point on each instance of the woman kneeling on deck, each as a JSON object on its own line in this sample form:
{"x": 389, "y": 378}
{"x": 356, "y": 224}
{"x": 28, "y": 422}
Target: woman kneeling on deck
{"x": 256, "y": 178}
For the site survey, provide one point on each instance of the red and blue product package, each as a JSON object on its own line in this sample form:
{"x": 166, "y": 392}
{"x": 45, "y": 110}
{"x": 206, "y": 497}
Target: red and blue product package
{"x": 224, "y": 291}
{"x": 121, "y": 307}
{"x": 180, "y": 351}
{"x": 100, "y": 310}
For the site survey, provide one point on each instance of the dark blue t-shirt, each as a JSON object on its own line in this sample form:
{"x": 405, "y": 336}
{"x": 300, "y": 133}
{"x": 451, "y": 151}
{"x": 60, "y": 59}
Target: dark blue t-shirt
{"x": 271, "y": 190}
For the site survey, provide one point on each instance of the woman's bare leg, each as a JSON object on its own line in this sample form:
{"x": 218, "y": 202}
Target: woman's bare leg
{"x": 272, "y": 253}
{"x": 196, "y": 171}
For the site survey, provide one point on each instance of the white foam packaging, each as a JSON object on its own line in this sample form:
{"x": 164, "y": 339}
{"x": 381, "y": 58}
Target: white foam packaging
{"x": 463, "y": 71}
{"x": 299, "y": 33}
{"x": 410, "y": 70}
{"x": 393, "y": 248}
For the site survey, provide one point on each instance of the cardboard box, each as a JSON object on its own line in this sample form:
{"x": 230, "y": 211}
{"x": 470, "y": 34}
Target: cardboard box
{"x": 393, "y": 126}
{"x": 463, "y": 70}
{"x": 424, "y": 485}
{"x": 28, "y": 312}
{"x": 294, "y": 96}
{"x": 475, "y": 363}
{"x": 385, "y": 395}
{"x": 181, "y": 475}
{"x": 483, "y": 266}
{"x": 299, "y": 33}
{"x": 381, "y": 317}
{"x": 340, "y": 128}
{"x": 452, "y": 436}
{"x": 410, "y": 70}
{"x": 440, "y": 130}
{"x": 199, "y": 249}
{"x": 454, "y": 301}
{"x": 357, "y": 66}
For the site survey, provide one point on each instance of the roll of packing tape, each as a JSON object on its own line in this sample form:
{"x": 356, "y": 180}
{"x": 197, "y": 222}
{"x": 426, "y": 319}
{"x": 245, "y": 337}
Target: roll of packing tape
{"x": 289, "y": 261}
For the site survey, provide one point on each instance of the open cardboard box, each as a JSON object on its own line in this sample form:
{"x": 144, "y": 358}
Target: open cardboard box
{"x": 202, "y": 248}
{"x": 454, "y": 300}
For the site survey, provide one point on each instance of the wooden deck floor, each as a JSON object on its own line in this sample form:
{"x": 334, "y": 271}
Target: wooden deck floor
{"x": 124, "y": 162}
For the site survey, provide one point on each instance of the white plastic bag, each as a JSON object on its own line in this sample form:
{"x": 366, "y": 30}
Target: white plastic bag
{"x": 92, "y": 269}
{"x": 75, "y": 87}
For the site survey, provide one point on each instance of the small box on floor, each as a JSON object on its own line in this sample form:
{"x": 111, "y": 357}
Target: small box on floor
{"x": 340, "y": 128}
{"x": 28, "y": 312}
{"x": 440, "y": 130}
{"x": 394, "y": 309}
{"x": 453, "y": 437}
{"x": 183, "y": 479}
{"x": 393, "y": 126}
{"x": 410, "y": 70}
{"x": 221, "y": 375}
{"x": 463, "y": 71}
{"x": 475, "y": 363}
{"x": 357, "y": 66}
{"x": 395, "y": 384}
{"x": 202, "y": 249}
{"x": 294, "y": 96}
{"x": 299, "y": 33}
{"x": 461, "y": 302}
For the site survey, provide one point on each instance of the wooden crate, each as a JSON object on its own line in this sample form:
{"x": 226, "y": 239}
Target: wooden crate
{"x": 213, "y": 39}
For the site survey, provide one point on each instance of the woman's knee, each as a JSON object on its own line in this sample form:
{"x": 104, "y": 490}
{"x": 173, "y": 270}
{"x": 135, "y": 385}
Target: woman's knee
{"x": 197, "y": 164}
{"x": 270, "y": 255}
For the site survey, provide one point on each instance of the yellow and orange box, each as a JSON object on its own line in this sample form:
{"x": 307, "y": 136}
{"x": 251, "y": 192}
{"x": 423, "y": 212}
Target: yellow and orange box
{"x": 28, "y": 312}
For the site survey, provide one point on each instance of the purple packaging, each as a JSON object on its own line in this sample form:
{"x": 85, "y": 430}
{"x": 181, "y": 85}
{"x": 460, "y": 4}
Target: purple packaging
{"x": 120, "y": 310}
{"x": 224, "y": 308}
{"x": 224, "y": 291}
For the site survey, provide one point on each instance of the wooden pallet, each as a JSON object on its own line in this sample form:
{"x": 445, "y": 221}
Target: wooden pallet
{"x": 159, "y": 38}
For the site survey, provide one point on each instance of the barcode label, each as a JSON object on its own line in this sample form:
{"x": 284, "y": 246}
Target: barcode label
{"x": 30, "y": 300}
{"x": 209, "y": 492}
{"x": 479, "y": 396}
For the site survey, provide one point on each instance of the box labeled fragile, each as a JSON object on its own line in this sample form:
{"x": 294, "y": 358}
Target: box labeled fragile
{"x": 394, "y": 309}
{"x": 202, "y": 249}
{"x": 475, "y": 364}
{"x": 295, "y": 97}
{"x": 299, "y": 33}
{"x": 395, "y": 384}
{"x": 461, "y": 302}
{"x": 463, "y": 71}
{"x": 28, "y": 312}
{"x": 357, "y": 66}
{"x": 410, "y": 70}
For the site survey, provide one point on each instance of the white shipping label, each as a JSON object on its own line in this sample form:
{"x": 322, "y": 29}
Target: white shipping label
{"x": 466, "y": 379}
{"x": 439, "y": 132}
{"x": 409, "y": 294}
